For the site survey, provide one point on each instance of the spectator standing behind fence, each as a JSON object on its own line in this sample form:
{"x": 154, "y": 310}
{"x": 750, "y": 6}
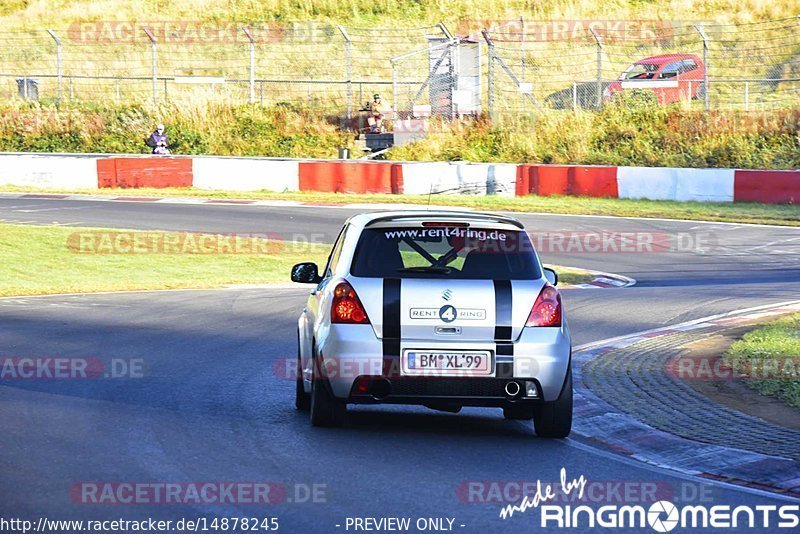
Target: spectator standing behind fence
{"x": 158, "y": 141}
{"x": 378, "y": 108}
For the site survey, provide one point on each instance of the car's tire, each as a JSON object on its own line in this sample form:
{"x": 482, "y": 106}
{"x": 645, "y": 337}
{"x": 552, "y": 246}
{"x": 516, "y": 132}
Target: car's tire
{"x": 553, "y": 419}
{"x": 302, "y": 400}
{"x": 519, "y": 413}
{"x": 326, "y": 410}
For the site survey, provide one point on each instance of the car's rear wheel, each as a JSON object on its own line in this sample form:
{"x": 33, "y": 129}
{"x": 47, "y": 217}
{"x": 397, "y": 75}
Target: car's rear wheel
{"x": 302, "y": 400}
{"x": 326, "y": 410}
{"x": 554, "y": 419}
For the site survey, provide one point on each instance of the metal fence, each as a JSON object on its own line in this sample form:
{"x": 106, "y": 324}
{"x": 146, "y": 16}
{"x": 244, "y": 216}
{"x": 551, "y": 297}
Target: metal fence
{"x": 512, "y": 67}
{"x": 706, "y": 65}
{"x": 323, "y": 66}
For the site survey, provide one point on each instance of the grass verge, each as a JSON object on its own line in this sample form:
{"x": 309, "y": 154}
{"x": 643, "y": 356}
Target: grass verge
{"x": 770, "y": 355}
{"x": 41, "y": 260}
{"x": 570, "y": 275}
{"x": 739, "y": 212}
{"x": 45, "y": 259}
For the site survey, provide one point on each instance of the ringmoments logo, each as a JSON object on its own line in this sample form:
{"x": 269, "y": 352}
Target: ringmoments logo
{"x": 660, "y": 516}
{"x": 664, "y": 516}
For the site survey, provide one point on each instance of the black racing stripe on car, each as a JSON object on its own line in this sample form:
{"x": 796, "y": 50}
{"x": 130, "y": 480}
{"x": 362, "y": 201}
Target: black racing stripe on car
{"x": 504, "y": 370}
{"x": 391, "y": 327}
{"x": 504, "y": 351}
{"x": 502, "y": 306}
{"x": 504, "y": 348}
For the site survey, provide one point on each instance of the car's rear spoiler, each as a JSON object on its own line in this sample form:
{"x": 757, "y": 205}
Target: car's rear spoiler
{"x": 446, "y": 215}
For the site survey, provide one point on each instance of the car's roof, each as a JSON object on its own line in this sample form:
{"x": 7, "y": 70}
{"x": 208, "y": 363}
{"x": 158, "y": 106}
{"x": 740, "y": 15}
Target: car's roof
{"x": 665, "y": 57}
{"x": 366, "y": 219}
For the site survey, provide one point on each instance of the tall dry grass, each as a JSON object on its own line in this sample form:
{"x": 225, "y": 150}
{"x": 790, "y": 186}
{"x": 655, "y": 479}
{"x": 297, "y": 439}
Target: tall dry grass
{"x": 617, "y": 135}
{"x": 193, "y": 129}
{"x": 15, "y": 13}
{"x": 623, "y": 135}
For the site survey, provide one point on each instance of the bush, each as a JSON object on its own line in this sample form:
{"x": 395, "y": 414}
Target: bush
{"x": 637, "y": 135}
{"x": 641, "y": 135}
{"x": 208, "y": 129}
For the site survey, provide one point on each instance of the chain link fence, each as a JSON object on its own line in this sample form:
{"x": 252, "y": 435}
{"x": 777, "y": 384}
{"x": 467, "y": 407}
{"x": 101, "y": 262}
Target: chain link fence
{"x": 327, "y": 67}
{"x": 517, "y": 67}
{"x": 585, "y": 66}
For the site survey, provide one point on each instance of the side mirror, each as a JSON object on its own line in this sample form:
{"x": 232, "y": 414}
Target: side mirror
{"x": 306, "y": 273}
{"x": 551, "y": 276}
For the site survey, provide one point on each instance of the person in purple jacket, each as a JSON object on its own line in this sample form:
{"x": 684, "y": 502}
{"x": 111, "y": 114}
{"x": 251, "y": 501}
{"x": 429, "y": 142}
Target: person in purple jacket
{"x": 158, "y": 141}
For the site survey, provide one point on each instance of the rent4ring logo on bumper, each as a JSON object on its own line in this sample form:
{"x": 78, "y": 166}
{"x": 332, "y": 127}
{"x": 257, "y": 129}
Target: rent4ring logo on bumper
{"x": 448, "y": 313}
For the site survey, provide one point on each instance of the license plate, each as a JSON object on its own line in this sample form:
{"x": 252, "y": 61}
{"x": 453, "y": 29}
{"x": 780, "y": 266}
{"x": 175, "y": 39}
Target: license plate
{"x": 472, "y": 363}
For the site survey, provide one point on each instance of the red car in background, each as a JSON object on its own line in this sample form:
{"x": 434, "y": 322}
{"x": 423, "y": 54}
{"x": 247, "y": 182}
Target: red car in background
{"x": 671, "y": 77}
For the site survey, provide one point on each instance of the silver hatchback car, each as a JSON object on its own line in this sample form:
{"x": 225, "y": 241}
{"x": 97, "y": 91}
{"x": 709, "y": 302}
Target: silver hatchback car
{"x": 439, "y": 308}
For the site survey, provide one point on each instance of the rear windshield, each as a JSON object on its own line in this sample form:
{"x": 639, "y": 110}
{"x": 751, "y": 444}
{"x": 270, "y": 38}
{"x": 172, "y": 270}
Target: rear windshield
{"x": 446, "y": 252}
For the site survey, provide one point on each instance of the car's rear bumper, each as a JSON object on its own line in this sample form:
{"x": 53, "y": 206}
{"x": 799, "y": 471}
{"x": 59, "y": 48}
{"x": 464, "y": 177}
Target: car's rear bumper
{"x": 348, "y": 352}
{"x": 439, "y": 390}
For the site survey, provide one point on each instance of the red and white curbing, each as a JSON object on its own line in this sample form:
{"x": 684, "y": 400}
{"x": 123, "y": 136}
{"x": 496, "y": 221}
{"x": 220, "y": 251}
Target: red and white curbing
{"x": 605, "y": 280}
{"x": 94, "y": 171}
{"x": 599, "y": 422}
{"x": 728, "y": 319}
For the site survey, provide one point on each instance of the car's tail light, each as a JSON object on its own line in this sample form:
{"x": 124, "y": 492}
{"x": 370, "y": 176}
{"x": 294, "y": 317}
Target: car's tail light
{"x": 546, "y": 310}
{"x": 346, "y": 307}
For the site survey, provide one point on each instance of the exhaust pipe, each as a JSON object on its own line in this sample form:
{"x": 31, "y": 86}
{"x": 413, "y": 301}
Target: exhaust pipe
{"x": 512, "y": 389}
{"x": 380, "y": 388}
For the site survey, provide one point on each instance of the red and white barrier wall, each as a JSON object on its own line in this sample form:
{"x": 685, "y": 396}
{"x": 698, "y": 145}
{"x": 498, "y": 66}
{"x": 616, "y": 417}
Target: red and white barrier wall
{"x": 47, "y": 171}
{"x": 91, "y": 171}
{"x": 660, "y": 183}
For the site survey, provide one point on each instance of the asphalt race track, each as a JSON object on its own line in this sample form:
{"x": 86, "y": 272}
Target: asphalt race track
{"x": 213, "y": 403}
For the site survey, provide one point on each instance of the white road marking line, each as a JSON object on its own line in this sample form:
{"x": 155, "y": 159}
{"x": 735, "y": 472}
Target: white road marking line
{"x": 593, "y": 344}
{"x": 49, "y": 209}
{"x": 676, "y": 474}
